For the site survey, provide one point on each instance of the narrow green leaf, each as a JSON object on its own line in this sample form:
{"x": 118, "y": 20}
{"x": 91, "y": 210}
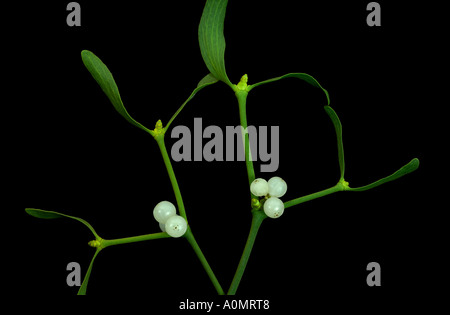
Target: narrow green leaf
{"x": 44, "y": 214}
{"x": 338, "y": 127}
{"x": 212, "y": 40}
{"x": 83, "y": 288}
{"x": 104, "y": 78}
{"x": 406, "y": 169}
{"x": 301, "y": 76}
{"x": 207, "y": 80}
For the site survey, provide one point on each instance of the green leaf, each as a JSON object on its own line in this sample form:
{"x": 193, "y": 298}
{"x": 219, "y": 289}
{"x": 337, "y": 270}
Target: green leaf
{"x": 83, "y": 288}
{"x": 207, "y": 80}
{"x": 211, "y": 39}
{"x": 338, "y": 127}
{"x": 106, "y": 81}
{"x": 44, "y": 214}
{"x": 406, "y": 169}
{"x": 301, "y": 76}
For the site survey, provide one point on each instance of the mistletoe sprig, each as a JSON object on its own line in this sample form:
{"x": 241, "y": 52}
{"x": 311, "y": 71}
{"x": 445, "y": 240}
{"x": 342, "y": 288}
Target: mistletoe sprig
{"x": 264, "y": 196}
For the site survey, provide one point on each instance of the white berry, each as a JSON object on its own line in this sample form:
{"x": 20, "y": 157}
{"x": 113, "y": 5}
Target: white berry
{"x": 163, "y": 211}
{"x": 259, "y": 187}
{"x": 273, "y": 207}
{"x": 176, "y": 226}
{"x": 162, "y": 226}
{"x": 277, "y": 187}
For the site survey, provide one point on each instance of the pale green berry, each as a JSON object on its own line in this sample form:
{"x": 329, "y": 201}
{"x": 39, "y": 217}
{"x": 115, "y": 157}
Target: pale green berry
{"x": 277, "y": 187}
{"x": 162, "y": 226}
{"x": 273, "y": 207}
{"x": 176, "y": 226}
{"x": 259, "y": 187}
{"x": 163, "y": 211}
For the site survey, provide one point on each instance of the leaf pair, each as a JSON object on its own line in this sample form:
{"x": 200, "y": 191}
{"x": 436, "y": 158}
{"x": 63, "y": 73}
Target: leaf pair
{"x": 212, "y": 46}
{"x": 104, "y": 78}
{"x": 44, "y": 214}
{"x": 406, "y": 169}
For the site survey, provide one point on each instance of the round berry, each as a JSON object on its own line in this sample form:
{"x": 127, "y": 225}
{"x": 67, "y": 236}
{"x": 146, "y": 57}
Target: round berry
{"x": 162, "y": 226}
{"x": 176, "y": 226}
{"x": 277, "y": 187}
{"x": 163, "y": 211}
{"x": 259, "y": 187}
{"x": 273, "y": 207}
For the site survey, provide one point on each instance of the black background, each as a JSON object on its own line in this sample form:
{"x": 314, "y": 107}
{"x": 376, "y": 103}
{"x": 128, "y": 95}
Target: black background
{"x": 78, "y": 156}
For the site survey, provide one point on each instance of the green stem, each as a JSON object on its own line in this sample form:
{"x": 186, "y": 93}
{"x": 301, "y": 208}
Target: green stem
{"x": 257, "y": 219}
{"x": 133, "y": 239}
{"x": 242, "y": 101}
{"x": 258, "y": 216}
{"x": 190, "y": 237}
{"x": 338, "y": 187}
{"x": 160, "y": 140}
{"x": 159, "y": 137}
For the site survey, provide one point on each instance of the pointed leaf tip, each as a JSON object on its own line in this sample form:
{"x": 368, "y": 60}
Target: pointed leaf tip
{"x": 42, "y": 214}
{"x": 410, "y": 167}
{"x": 45, "y": 214}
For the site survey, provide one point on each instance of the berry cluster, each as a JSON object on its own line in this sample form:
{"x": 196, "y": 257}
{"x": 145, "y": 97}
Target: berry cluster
{"x": 271, "y": 191}
{"x": 169, "y": 221}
